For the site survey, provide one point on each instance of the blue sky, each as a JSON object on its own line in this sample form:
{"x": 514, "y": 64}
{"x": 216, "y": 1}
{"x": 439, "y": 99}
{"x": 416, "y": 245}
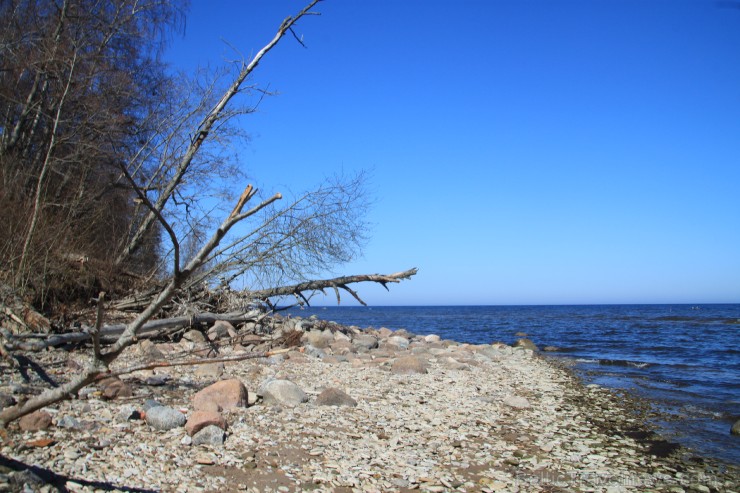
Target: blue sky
{"x": 521, "y": 152}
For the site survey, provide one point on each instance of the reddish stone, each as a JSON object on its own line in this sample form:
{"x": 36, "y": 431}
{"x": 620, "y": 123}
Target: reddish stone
{"x": 38, "y": 420}
{"x": 227, "y": 394}
{"x": 200, "y": 419}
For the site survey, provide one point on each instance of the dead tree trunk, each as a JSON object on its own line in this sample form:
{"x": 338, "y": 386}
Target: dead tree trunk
{"x": 110, "y": 333}
{"x": 336, "y": 284}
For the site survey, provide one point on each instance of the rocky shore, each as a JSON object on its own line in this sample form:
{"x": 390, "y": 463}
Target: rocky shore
{"x": 344, "y": 410}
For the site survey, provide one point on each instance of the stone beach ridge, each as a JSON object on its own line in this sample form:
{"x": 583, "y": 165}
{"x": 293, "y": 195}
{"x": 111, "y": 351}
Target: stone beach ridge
{"x": 346, "y": 410}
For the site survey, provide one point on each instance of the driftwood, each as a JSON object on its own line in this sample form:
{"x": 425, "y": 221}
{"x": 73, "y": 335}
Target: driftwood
{"x": 123, "y": 336}
{"x": 159, "y": 328}
{"x": 110, "y": 333}
{"x": 137, "y": 302}
{"x": 336, "y": 283}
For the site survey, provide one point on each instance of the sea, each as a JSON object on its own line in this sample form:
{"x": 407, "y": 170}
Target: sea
{"x": 682, "y": 359}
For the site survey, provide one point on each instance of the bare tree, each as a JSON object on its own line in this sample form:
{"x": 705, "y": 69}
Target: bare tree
{"x": 272, "y": 255}
{"x": 80, "y": 88}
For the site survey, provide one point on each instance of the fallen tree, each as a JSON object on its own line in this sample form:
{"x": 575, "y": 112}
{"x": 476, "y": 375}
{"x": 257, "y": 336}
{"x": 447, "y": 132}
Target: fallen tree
{"x": 282, "y": 244}
{"x": 163, "y": 327}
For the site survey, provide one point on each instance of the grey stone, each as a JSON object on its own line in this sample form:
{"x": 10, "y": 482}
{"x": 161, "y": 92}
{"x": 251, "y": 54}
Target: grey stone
{"x": 127, "y": 412}
{"x": 165, "y": 418}
{"x": 335, "y": 397}
{"x": 69, "y": 422}
{"x": 735, "y": 430}
{"x": 210, "y": 435}
{"x": 157, "y": 380}
{"x": 150, "y": 403}
{"x": 365, "y": 341}
{"x": 399, "y": 341}
{"x": 283, "y": 392}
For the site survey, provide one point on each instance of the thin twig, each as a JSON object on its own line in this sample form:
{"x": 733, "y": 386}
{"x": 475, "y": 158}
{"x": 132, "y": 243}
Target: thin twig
{"x": 193, "y": 362}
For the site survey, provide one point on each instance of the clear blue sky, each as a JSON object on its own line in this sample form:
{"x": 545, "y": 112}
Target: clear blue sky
{"x": 522, "y": 152}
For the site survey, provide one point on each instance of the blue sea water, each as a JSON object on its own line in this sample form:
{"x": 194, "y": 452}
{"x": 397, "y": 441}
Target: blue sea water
{"x": 684, "y": 359}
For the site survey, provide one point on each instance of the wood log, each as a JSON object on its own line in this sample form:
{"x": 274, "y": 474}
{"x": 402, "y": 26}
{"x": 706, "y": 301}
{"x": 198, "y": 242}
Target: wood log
{"x": 110, "y": 333}
{"x": 336, "y": 284}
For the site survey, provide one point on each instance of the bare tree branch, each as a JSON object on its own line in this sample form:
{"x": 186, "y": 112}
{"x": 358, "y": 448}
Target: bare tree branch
{"x": 338, "y": 282}
{"x": 205, "y": 127}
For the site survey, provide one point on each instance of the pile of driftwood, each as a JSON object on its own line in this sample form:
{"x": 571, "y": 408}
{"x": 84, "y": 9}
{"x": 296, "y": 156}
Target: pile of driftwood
{"x": 23, "y": 330}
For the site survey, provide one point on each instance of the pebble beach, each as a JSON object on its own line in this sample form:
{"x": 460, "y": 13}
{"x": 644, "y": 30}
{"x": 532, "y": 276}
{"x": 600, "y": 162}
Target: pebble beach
{"x": 345, "y": 410}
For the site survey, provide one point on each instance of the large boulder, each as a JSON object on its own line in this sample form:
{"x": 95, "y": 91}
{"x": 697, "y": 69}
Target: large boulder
{"x": 384, "y": 332}
{"x": 365, "y": 342}
{"x": 398, "y": 341}
{"x": 226, "y": 394}
{"x": 283, "y": 392}
{"x": 735, "y": 430}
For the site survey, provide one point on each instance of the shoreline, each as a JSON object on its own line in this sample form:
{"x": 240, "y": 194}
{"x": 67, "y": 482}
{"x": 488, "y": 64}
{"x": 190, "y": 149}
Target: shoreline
{"x": 456, "y": 417}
